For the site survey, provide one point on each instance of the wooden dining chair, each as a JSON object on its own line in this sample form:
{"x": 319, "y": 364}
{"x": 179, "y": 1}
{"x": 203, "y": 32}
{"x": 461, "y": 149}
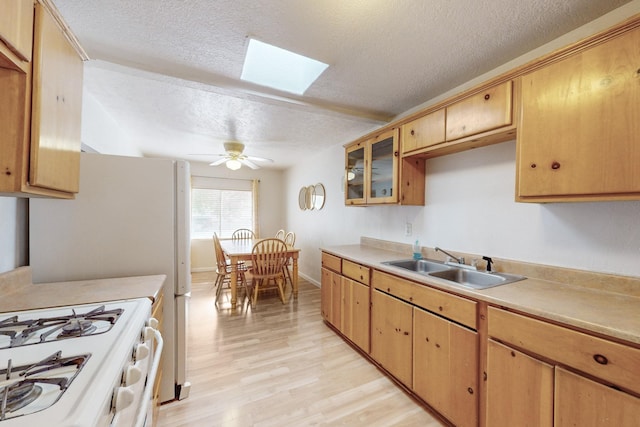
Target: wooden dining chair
{"x": 290, "y": 241}
{"x": 268, "y": 258}
{"x": 224, "y": 270}
{"x": 243, "y": 233}
{"x": 280, "y": 234}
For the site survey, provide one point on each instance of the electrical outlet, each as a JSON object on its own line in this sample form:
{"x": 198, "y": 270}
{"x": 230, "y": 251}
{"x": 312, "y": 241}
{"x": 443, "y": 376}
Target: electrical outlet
{"x": 407, "y": 229}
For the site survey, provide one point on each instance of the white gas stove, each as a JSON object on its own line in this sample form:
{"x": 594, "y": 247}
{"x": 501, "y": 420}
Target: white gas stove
{"x": 87, "y": 365}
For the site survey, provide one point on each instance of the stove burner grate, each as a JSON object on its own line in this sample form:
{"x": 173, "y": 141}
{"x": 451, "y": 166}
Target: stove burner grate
{"x": 24, "y": 384}
{"x": 21, "y": 332}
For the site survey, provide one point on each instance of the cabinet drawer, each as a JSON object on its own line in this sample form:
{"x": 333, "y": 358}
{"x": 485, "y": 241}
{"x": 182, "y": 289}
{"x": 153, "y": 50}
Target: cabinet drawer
{"x": 423, "y": 132}
{"x": 607, "y": 360}
{"x": 355, "y": 271}
{"x": 487, "y": 110}
{"x": 331, "y": 262}
{"x": 456, "y": 308}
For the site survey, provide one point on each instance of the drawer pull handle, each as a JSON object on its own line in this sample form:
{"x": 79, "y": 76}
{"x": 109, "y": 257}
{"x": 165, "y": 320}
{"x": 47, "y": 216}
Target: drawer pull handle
{"x": 600, "y": 359}
{"x": 486, "y": 97}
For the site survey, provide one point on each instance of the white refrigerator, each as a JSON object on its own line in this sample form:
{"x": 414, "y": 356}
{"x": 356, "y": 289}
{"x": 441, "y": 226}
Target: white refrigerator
{"x": 130, "y": 218}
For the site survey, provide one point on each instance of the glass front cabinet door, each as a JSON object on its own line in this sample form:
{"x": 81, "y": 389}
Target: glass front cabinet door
{"x": 371, "y": 170}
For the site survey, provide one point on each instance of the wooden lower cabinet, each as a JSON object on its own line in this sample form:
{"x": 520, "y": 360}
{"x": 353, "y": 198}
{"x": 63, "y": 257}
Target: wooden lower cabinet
{"x": 331, "y": 297}
{"x": 542, "y": 374}
{"x": 585, "y": 403}
{"x": 355, "y": 312}
{"x": 391, "y": 335}
{"x": 519, "y": 389}
{"x": 445, "y": 367}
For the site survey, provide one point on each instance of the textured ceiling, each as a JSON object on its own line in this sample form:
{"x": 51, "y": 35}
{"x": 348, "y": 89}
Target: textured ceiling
{"x": 168, "y": 71}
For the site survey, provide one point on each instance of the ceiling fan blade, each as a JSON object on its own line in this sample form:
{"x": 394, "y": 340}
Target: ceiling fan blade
{"x": 258, "y": 159}
{"x": 219, "y": 162}
{"x": 249, "y": 163}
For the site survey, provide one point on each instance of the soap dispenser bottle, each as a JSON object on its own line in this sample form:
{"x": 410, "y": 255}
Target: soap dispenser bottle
{"x": 417, "y": 253}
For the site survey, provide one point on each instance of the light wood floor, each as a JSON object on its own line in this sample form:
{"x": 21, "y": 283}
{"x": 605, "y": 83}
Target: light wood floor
{"x": 280, "y": 365}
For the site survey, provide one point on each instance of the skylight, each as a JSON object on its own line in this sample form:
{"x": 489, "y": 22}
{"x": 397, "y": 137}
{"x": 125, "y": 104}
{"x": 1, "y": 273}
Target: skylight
{"x": 271, "y": 66}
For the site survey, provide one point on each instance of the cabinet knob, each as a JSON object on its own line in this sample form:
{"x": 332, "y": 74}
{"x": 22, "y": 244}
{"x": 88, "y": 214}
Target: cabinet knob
{"x": 413, "y": 132}
{"x": 599, "y": 358}
{"x": 470, "y": 390}
{"x": 395, "y": 154}
{"x": 486, "y": 97}
{"x": 555, "y": 165}
{"x": 533, "y": 165}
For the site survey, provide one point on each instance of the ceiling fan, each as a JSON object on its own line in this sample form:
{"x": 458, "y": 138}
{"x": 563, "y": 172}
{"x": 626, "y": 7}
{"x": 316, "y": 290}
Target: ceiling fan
{"x": 234, "y": 157}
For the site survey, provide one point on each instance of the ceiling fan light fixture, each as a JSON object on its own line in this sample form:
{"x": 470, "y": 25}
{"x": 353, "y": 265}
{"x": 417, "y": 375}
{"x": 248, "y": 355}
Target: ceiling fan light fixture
{"x": 233, "y": 164}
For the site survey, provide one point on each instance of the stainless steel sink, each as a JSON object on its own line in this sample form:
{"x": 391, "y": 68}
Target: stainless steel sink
{"x": 476, "y": 279}
{"x": 419, "y": 266}
{"x": 460, "y": 276}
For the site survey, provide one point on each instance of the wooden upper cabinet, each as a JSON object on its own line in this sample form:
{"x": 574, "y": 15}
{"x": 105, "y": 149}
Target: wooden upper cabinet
{"x": 484, "y": 111}
{"x": 56, "y": 108}
{"x": 383, "y": 173}
{"x": 356, "y": 185}
{"x": 16, "y": 27}
{"x": 40, "y": 113}
{"x": 579, "y": 136}
{"x": 374, "y": 174}
{"x": 423, "y": 132}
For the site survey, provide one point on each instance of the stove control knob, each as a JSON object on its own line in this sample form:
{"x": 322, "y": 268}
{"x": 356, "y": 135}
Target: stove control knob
{"x": 123, "y": 398}
{"x": 141, "y": 351}
{"x": 153, "y": 322}
{"x": 132, "y": 375}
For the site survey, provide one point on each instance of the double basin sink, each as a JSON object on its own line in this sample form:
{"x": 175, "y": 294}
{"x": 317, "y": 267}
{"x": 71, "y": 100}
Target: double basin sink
{"x": 458, "y": 275}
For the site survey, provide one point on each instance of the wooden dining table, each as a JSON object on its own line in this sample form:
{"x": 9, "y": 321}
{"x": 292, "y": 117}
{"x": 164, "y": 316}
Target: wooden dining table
{"x": 240, "y": 250}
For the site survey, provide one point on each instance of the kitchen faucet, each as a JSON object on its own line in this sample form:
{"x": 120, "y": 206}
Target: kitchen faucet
{"x": 458, "y": 260}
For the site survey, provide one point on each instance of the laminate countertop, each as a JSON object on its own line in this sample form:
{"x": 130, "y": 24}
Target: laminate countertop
{"x": 18, "y": 293}
{"x": 613, "y": 314}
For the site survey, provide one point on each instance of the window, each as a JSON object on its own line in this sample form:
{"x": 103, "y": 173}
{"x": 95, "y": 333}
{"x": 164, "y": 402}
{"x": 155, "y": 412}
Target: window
{"x": 221, "y": 210}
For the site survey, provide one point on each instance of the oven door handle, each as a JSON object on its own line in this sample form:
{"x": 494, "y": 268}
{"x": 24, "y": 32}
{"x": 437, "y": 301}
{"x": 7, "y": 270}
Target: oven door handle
{"x": 151, "y": 378}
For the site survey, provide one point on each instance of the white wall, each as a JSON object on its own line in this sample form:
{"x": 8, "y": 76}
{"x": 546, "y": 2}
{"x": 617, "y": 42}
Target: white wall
{"x": 470, "y": 205}
{"x": 13, "y": 233}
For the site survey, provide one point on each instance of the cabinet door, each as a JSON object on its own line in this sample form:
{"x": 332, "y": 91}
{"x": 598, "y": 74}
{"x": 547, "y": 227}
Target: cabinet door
{"x": 355, "y": 177}
{"x": 346, "y": 305}
{"x": 580, "y": 134}
{"x": 56, "y": 108}
{"x": 382, "y": 176}
{"x": 325, "y": 295}
{"x": 391, "y": 335}
{"x": 445, "y": 367}
{"x": 487, "y": 110}
{"x": 16, "y": 27}
{"x": 585, "y": 403}
{"x": 423, "y": 132}
{"x": 360, "y": 315}
{"x": 519, "y": 389}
